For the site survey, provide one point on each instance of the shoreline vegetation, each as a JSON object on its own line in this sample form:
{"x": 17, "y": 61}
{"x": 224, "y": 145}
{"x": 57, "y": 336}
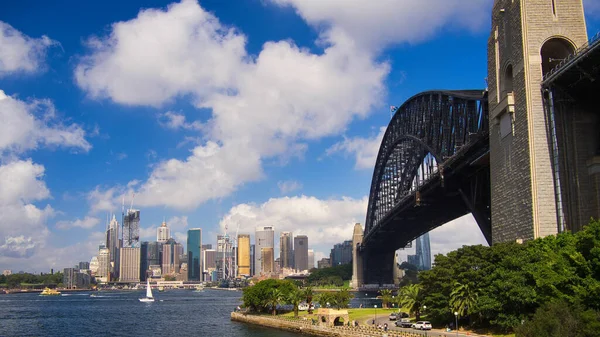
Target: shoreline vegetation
{"x": 540, "y": 288}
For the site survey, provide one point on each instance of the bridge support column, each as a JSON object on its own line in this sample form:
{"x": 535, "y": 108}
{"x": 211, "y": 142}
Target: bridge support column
{"x": 378, "y": 266}
{"x": 357, "y": 265}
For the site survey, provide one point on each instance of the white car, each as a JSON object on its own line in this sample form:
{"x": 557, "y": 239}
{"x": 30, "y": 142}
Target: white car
{"x": 422, "y": 325}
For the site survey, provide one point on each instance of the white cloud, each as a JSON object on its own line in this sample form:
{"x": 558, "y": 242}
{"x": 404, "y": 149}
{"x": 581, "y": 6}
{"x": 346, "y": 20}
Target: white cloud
{"x": 103, "y": 200}
{"x": 463, "y": 231}
{"x": 262, "y": 107}
{"x": 288, "y": 186}
{"x": 379, "y": 23}
{"x": 22, "y": 130}
{"x": 21, "y": 53}
{"x": 87, "y": 223}
{"x": 365, "y": 150}
{"x": 22, "y": 224}
{"x": 174, "y": 121}
{"x": 325, "y": 222}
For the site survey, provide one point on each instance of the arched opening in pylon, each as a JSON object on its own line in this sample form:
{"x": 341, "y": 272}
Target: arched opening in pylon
{"x": 555, "y": 51}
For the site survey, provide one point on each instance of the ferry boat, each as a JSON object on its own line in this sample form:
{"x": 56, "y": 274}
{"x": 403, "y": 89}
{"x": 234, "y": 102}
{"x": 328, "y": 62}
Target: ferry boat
{"x": 49, "y": 292}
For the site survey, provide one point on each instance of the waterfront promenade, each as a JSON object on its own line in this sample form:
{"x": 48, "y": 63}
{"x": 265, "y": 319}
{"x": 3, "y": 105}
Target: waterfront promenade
{"x": 306, "y": 326}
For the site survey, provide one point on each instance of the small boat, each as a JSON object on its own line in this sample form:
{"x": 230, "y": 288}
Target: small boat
{"x": 199, "y": 288}
{"x": 161, "y": 289}
{"x": 148, "y": 297}
{"x": 49, "y": 292}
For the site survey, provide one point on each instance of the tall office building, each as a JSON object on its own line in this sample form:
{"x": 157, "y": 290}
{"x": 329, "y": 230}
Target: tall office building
{"x": 94, "y": 265}
{"x": 103, "y": 273}
{"x": 301, "y": 252}
{"x": 144, "y": 261}
{"x": 131, "y": 228}
{"x": 225, "y": 257}
{"x": 341, "y": 253}
{"x": 194, "y": 253}
{"x": 163, "y": 233}
{"x": 243, "y": 254}
{"x": 112, "y": 238}
{"x": 423, "y": 252}
{"x": 207, "y": 246}
{"x": 129, "y": 264}
{"x": 209, "y": 260}
{"x": 264, "y": 238}
{"x": 170, "y": 257}
{"x": 267, "y": 260}
{"x": 311, "y": 259}
{"x": 286, "y": 251}
{"x": 252, "y": 260}
{"x": 84, "y": 265}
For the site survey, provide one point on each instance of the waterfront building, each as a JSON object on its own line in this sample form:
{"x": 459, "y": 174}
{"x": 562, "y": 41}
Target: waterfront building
{"x": 131, "y": 228}
{"x": 112, "y": 239}
{"x": 194, "y": 253}
{"x": 144, "y": 261}
{"x": 243, "y": 254}
{"x": 286, "y": 250}
{"x": 103, "y": 273}
{"x": 311, "y": 259}
{"x": 277, "y": 266}
{"x": 154, "y": 271}
{"x": 210, "y": 260}
{"x": 301, "y": 253}
{"x": 84, "y": 265}
{"x": 183, "y": 271}
{"x": 323, "y": 263}
{"x": 94, "y": 265}
{"x": 69, "y": 279}
{"x": 264, "y": 238}
{"x": 252, "y": 255}
{"x": 423, "y": 252}
{"x": 267, "y": 260}
{"x": 170, "y": 261}
{"x": 163, "y": 233}
{"x": 341, "y": 253}
{"x": 129, "y": 264}
{"x": 224, "y": 261}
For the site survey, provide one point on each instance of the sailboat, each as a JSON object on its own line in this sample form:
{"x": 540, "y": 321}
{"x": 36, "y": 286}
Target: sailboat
{"x": 148, "y": 297}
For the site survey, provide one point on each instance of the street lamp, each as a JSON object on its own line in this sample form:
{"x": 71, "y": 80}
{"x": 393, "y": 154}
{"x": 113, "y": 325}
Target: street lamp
{"x": 375, "y": 306}
{"x": 456, "y": 319}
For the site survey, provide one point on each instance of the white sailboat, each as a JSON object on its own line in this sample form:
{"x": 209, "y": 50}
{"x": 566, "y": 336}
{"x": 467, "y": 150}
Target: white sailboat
{"x": 148, "y": 297}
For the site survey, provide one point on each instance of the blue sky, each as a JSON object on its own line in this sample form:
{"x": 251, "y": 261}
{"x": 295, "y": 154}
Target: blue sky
{"x": 245, "y": 113}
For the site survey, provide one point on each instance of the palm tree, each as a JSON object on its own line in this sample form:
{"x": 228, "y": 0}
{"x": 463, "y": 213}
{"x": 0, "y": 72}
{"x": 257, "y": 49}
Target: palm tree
{"x": 294, "y": 298}
{"x": 275, "y": 298}
{"x": 409, "y": 298}
{"x": 386, "y": 297}
{"x": 308, "y": 295}
{"x": 463, "y": 299}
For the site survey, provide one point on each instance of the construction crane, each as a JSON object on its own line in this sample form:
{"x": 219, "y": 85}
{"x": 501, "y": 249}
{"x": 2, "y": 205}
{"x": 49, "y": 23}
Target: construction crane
{"x": 235, "y": 244}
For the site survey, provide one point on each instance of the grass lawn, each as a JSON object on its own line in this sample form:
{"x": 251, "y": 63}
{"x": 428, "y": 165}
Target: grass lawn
{"x": 354, "y": 314}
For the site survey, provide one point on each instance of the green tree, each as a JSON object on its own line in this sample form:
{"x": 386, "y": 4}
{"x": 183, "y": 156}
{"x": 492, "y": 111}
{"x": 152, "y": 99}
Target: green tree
{"x": 560, "y": 319}
{"x": 341, "y": 299}
{"x": 325, "y": 298}
{"x": 463, "y": 299}
{"x": 308, "y": 295}
{"x": 257, "y": 298}
{"x": 386, "y": 297}
{"x": 276, "y": 297}
{"x": 295, "y": 297}
{"x": 409, "y": 298}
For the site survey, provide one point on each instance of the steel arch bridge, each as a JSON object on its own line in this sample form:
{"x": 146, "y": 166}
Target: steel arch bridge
{"x": 432, "y": 167}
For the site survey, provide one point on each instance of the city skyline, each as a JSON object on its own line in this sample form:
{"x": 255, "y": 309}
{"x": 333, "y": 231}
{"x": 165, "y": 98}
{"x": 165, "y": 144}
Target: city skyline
{"x": 90, "y": 127}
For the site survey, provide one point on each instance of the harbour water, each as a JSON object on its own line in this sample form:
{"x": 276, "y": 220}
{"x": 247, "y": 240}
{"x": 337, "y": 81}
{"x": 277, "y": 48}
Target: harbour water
{"x": 175, "y": 313}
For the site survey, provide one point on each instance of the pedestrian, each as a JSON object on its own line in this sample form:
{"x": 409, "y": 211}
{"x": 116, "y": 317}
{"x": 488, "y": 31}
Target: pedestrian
{"x": 385, "y": 327}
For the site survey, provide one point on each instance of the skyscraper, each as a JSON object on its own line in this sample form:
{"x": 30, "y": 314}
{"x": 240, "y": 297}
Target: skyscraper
{"x": 209, "y": 260}
{"x": 423, "y": 252}
{"x": 252, "y": 260}
{"x": 267, "y": 260}
{"x": 129, "y": 270}
{"x": 103, "y": 273}
{"x": 243, "y": 256}
{"x": 341, "y": 253}
{"x": 301, "y": 252}
{"x": 170, "y": 257}
{"x": 311, "y": 259}
{"x": 131, "y": 228}
{"x": 194, "y": 244}
{"x": 163, "y": 233}
{"x": 225, "y": 257}
{"x": 286, "y": 251}
{"x": 112, "y": 238}
{"x": 264, "y": 237}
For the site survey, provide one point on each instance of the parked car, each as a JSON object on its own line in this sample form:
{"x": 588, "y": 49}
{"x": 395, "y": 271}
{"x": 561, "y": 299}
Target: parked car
{"x": 404, "y": 323}
{"x": 393, "y": 316}
{"x": 422, "y": 325}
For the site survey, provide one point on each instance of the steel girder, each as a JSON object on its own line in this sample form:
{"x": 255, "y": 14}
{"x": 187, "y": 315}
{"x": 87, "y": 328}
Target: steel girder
{"x": 426, "y": 131}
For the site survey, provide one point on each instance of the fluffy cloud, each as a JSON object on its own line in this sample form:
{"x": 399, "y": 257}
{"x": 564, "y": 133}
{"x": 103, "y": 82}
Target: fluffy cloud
{"x": 87, "y": 223}
{"x": 19, "y": 52}
{"x": 22, "y": 224}
{"x": 365, "y": 150}
{"x": 382, "y": 22}
{"x": 262, "y": 107}
{"x": 288, "y": 186}
{"x": 325, "y": 222}
{"x": 174, "y": 121}
{"x": 26, "y": 126}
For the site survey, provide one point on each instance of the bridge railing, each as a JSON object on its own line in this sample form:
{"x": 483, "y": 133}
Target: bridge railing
{"x": 588, "y": 45}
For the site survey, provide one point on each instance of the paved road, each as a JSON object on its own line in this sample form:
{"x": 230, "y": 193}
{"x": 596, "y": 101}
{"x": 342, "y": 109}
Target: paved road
{"x": 433, "y": 333}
